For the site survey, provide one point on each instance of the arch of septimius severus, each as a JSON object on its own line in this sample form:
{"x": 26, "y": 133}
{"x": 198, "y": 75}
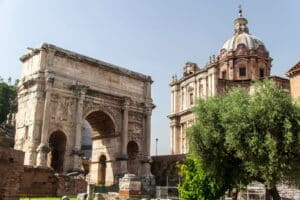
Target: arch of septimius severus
{"x": 59, "y": 90}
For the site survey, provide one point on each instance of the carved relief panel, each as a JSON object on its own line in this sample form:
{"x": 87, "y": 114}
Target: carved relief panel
{"x": 62, "y": 108}
{"x": 135, "y": 127}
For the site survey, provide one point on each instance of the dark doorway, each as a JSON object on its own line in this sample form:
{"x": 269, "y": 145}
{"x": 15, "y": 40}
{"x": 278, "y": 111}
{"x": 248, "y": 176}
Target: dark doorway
{"x": 132, "y": 152}
{"x": 57, "y": 144}
{"x": 102, "y": 169}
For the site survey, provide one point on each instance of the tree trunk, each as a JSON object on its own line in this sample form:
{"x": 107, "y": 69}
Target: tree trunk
{"x": 274, "y": 193}
{"x": 267, "y": 195}
{"x": 235, "y": 193}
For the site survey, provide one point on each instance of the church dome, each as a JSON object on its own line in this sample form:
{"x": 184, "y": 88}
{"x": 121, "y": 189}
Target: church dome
{"x": 241, "y": 35}
{"x": 250, "y": 41}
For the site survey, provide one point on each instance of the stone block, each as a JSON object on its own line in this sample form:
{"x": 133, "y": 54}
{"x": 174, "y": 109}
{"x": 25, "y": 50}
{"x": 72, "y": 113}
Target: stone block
{"x": 82, "y": 196}
{"x": 130, "y": 186}
{"x": 65, "y": 198}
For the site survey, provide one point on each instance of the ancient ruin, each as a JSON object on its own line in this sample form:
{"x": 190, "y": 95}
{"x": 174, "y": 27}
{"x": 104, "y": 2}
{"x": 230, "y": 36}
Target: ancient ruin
{"x": 62, "y": 93}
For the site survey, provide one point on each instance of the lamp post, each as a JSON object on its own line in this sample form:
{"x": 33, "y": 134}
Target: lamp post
{"x": 156, "y": 140}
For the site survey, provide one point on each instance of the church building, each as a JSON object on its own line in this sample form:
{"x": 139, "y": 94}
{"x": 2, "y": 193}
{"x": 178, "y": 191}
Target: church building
{"x": 242, "y": 59}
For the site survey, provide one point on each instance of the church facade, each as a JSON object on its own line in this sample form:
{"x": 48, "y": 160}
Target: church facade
{"x": 294, "y": 74}
{"x": 242, "y": 59}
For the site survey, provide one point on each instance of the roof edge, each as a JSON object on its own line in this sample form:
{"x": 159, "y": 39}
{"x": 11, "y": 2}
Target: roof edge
{"x": 83, "y": 58}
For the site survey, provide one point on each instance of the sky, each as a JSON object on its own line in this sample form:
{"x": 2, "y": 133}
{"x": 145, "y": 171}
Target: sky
{"x": 153, "y": 37}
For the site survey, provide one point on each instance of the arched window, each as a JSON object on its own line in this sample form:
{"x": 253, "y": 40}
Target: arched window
{"x": 242, "y": 71}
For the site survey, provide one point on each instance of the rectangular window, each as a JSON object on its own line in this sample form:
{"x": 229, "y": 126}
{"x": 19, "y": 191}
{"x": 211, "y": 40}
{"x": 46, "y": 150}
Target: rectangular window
{"x": 223, "y": 74}
{"x": 242, "y": 71}
{"x": 261, "y": 73}
{"x": 182, "y": 98}
{"x": 200, "y": 90}
{"x": 191, "y": 98}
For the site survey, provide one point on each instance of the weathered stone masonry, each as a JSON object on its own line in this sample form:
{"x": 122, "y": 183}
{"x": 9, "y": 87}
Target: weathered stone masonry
{"x": 59, "y": 89}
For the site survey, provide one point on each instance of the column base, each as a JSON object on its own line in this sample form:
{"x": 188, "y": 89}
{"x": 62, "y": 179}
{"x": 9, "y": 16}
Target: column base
{"x": 130, "y": 186}
{"x": 76, "y": 153}
{"x": 42, "y": 150}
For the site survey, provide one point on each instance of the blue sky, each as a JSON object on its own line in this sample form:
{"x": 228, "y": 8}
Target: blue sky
{"x": 154, "y": 37}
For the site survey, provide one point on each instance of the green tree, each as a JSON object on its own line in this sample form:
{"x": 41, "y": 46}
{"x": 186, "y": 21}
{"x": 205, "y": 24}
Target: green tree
{"x": 244, "y": 137}
{"x": 8, "y": 102}
{"x": 197, "y": 184}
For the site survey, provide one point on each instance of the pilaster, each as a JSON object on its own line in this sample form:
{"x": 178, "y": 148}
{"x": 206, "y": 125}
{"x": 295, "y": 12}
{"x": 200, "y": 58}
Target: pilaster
{"x": 80, "y": 92}
{"x": 124, "y": 137}
{"x": 43, "y": 148}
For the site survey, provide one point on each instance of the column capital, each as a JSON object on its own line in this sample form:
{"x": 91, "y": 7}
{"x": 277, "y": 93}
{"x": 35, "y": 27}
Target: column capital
{"x": 126, "y": 103}
{"x": 79, "y": 88}
{"x": 49, "y": 82}
{"x": 148, "y": 109}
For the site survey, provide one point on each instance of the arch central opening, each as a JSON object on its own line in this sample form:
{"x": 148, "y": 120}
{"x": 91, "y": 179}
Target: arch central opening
{"x": 99, "y": 129}
{"x": 101, "y": 124}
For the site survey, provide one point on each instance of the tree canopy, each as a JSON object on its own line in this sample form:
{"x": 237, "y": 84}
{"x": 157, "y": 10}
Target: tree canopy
{"x": 241, "y": 137}
{"x": 8, "y": 103}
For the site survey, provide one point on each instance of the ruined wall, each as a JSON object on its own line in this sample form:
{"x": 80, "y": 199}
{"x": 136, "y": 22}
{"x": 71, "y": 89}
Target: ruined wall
{"x": 43, "y": 182}
{"x": 38, "y": 182}
{"x": 166, "y": 166}
{"x": 70, "y": 185}
{"x": 11, "y": 165}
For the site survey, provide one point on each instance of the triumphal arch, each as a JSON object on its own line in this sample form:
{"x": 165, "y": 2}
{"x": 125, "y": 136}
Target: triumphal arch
{"x": 60, "y": 91}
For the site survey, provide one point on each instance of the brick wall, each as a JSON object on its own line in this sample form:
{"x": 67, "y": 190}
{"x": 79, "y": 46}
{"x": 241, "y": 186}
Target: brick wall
{"x": 43, "y": 182}
{"x": 166, "y": 166}
{"x": 11, "y": 165}
{"x": 70, "y": 185}
{"x": 38, "y": 182}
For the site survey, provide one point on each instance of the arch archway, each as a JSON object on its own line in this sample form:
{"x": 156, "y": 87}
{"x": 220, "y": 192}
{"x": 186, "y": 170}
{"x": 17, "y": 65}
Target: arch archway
{"x": 101, "y": 123}
{"x": 132, "y": 152}
{"x": 103, "y": 134}
{"x": 57, "y": 144}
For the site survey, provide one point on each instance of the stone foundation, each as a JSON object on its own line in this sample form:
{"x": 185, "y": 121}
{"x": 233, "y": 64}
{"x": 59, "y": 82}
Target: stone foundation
{"x": 38, "y": 182}
{"x": 43, "y": 182}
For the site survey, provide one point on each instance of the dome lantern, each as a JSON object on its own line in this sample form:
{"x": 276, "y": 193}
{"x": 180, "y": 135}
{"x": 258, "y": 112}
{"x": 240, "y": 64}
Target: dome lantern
{"x": 240, "y": 23}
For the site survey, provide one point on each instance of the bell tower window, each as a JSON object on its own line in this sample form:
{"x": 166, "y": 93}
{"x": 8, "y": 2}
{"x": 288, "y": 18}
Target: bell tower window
{"x": 242, "y": 71}
{"x": 223, "y": 74}
{"x": 191, "y": 98}
{"x": 261, "y": 73}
